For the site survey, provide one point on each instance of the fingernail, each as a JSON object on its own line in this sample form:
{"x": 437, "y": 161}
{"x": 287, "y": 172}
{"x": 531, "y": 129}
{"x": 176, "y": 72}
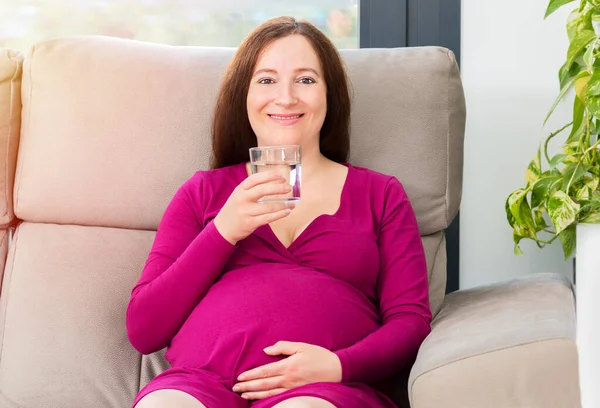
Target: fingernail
{"x": 241, "y": 377}
{"x": 244, "y": 396}
{"x": 236, "y": 388}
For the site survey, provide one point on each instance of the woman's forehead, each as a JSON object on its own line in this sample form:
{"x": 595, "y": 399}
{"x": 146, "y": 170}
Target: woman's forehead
{"x": 291, "y": 53}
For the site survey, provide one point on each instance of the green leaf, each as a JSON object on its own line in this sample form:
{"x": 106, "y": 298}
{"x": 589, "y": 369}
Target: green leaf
{"x": 592, "y": 218}
{"x": 555, "y": 5}
{"x": 557, "y": 159}
{"x": 571, "y": 148}
{"x": 526, "y": 217}
{"x": 576, "y": 47}
{"x": 517, "y": 249}
{"x": 578, "y": 112}
{"x": 568, "y": 239}
{"x": 593, "y": 88}
{"x": 588, "y": 57}
{"x": 565, "y": 74}
{"x": 540, "y": 222}
{"x": 582, "y": 192}
{"x": 592, "y": 183}
{"x": 519, "y": 214}
{"x": 581, "y": 85}
{"x": 518, "y": 234}
{"x": 509, "y": 216}
{"x": 590, "y": 210}
{"x": 578, "y": 21}
{"x": 572, "y": 174}
{"x": 562, "y": 210}
{"x": 563, "y": 92}
{"x": 542, "y": 189}
{"x": 593, "y": 104}
{"x": 514, "y": 204}
{"x": 535, "y": 169}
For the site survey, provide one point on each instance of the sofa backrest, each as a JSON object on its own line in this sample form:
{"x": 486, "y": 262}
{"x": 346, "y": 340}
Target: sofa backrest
{"x": 110, "y": 129}
{"x": 11, "y": 63}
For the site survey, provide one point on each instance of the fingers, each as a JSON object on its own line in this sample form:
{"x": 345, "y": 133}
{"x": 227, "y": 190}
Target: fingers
{"x": 260, "y": 178}
{"x": 269, "y": 208}
{"x": 287, "y": 348}
{"x": 262, "y": 394}
{"x": 271, "y": 217}
{"x": 263, "y": 384}
{"x": 262, "y": 190}
{"x": 268, "y": 370}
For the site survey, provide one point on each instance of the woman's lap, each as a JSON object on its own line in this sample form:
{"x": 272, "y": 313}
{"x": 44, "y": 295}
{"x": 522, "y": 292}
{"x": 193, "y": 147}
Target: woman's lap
{"x": 206, "y": 387}
{"x": 213, "y": 392}
{"x": 340, "y": 395}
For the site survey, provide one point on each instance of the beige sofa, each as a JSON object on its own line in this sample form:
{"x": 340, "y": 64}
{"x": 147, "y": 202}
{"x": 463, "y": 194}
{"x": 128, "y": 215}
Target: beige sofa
{"x": 96, "y": 134}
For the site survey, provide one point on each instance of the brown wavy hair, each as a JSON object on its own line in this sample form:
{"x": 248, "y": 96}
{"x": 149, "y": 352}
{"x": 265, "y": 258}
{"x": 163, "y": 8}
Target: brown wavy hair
{"x": 232, "y": 134}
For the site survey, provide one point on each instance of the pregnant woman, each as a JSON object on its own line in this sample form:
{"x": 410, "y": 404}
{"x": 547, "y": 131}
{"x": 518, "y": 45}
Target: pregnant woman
{"x": 282, "y": 305}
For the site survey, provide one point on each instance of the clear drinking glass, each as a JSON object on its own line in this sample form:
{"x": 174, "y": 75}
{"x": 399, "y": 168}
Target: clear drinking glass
{"x": 285, "y": 160}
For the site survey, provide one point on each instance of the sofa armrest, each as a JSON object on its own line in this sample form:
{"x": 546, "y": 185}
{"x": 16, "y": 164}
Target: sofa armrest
{"x": 512, "y": 321}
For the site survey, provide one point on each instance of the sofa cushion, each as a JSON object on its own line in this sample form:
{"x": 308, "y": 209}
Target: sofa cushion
{"x": 10, "y": 125}
{"x": 540, "y": 374}
{"x": 62, "y": 317}
{"x": 507, "y": 342}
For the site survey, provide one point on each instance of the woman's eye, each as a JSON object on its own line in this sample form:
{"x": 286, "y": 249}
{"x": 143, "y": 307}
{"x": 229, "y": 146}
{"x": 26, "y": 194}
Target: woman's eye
{"x": 306, "y": 81}
{"x": 265, "y": 81}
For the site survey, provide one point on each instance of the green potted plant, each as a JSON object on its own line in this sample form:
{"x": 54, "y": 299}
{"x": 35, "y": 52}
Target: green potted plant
{"x": 561, "y": 196}
{"x": 562, "y": 191}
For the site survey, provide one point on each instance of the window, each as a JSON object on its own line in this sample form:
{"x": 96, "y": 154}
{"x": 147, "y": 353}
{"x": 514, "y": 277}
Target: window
{"x": 175, "y": 22}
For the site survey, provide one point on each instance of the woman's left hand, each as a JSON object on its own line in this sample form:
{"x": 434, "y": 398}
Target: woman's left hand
{"x": 306, "y": 364}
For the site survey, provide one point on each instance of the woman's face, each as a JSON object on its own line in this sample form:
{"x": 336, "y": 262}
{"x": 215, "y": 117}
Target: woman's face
{"x": 287, "y": 98}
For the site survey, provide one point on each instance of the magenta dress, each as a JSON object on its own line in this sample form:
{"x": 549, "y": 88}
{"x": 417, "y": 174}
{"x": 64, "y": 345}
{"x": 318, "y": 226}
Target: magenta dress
{"x": 354, "y": 282}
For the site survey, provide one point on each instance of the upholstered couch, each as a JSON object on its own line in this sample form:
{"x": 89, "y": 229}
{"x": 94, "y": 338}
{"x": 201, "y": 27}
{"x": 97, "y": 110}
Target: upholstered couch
{"x": 96, "y": 134}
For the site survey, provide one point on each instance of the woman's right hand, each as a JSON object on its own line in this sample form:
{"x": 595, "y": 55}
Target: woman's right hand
{"x": 242, "y": 213}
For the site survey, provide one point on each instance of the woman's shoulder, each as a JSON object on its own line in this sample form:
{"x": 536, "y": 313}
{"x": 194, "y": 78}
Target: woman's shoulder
{"x": 219, "y": 175}
{"x": 383, "y": 193}
{"x": 376, "y": 180}
{"x": 214, "y": 182}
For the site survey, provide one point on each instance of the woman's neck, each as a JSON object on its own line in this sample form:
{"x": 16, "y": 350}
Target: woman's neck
{"x": 313, "y": 164}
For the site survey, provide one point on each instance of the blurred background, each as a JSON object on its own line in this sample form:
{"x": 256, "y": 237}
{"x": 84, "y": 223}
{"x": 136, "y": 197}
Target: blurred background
{"x": 174, "y": 22}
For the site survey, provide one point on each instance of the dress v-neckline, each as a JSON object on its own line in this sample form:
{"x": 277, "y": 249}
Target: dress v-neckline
{"x": 310, "y": 225}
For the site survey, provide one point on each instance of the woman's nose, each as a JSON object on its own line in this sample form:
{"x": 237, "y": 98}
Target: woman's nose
{"x": 286, "y": 95}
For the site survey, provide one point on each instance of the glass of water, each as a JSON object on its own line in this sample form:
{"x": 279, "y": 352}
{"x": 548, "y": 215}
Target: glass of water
{"x": 284, "y": 160}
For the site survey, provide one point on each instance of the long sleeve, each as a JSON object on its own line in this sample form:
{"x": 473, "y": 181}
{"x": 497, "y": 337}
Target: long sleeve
{"x": 403, "y": 297}
{"x": 184, "y": 262}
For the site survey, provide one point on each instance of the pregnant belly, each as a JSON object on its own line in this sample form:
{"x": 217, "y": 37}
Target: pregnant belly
{"x": 251, "y": 308}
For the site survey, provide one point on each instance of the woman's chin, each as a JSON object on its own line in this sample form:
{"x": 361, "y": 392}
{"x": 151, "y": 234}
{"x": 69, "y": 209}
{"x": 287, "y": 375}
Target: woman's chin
{"x": 280, "y": 142}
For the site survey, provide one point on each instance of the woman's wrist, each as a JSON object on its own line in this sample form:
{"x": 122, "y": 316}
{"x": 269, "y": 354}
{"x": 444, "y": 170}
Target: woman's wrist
{"x": 222, "y": 231}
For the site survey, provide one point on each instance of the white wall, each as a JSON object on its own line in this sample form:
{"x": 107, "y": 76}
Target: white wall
{"x": 510, "y": 57}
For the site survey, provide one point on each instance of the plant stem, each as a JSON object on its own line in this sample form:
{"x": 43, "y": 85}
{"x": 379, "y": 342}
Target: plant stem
{"x": 548, "y": 242}
{"x": 587, "y": 129}
{"x": 551, "y": 136}
{"x": 592, "y": 147}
